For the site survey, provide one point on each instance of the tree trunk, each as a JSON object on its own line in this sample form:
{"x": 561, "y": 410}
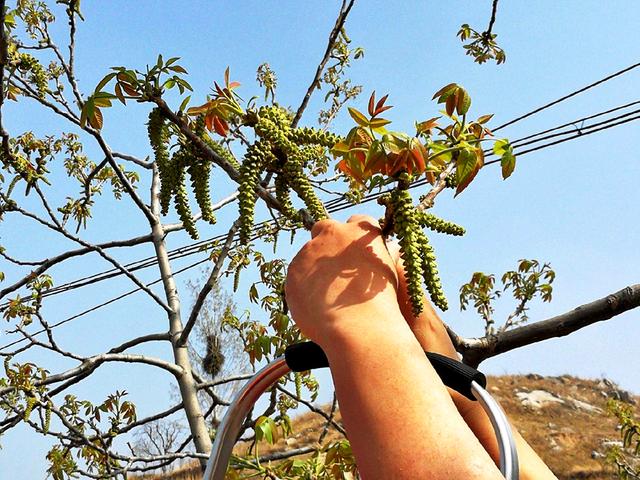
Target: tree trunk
{"x": 186, "y": 382}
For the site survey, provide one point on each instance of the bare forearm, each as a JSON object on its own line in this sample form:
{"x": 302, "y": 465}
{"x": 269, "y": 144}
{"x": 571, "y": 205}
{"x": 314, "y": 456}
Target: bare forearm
{"x": 374, "y": 369}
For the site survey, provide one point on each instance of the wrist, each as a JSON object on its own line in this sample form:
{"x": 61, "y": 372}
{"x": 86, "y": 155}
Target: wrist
{"x": 363, "y": 324}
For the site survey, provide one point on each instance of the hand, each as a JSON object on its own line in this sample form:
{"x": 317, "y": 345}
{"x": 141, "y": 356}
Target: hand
{"x": 427, "y": 327}
{"x": 342, "y": 279}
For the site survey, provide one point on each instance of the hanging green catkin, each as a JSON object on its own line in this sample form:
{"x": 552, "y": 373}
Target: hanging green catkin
{"x": 31, "y": 402}
{"x": 430, "y": 272}
{"x": 252, "y": 167}
{"x": 159, "y": 137}
{"x": 221, "y": 151}
{"x": 47, "y": 418}
{"x": 282, "y": 195}
{"x": 236, "y": 278}
{"x": 294, "y": 173}
{"x": 312, "y": 136}
{"x": 199, "y": 170}
{"x": 182, "y": 204}
{"x": 407, "y": 229}
{"x": 439, "y": 225}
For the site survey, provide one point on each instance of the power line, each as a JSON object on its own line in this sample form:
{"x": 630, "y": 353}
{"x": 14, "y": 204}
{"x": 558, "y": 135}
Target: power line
{"x": 186, "y": 250}
{"x": 339, "y": 204}
{"x": 342, "y": 205}
{"x": 566, "y": 97}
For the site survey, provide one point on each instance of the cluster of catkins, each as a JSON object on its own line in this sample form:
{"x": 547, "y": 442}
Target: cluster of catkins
{"x": 28, "y": 63}
{"x": 283, "y": 151}
{"x": 173, "y": 171}
{"x": 415, "y": 250}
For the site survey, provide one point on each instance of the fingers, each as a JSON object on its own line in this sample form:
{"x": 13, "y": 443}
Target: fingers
{"x": 366, "y": 219}
{"x": 393, "y": 248}
{"x": 321, "y": 226}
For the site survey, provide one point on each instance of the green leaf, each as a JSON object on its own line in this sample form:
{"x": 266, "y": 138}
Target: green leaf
{"x": 508, "y": 163}
{"x": 464, "y": 101}
{"x": 467, "y": 167}
{"x": 184, "y": 103}
{"x": 446, "y": 90}
{"x": 359, "y": 118}
{"x": 104, "y": 81}
{"x": 501, "y": 146}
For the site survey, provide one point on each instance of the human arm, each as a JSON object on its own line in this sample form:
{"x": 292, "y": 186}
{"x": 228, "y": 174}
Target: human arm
{"x": 433, "y": 337}
{"x": 400, "y": 419}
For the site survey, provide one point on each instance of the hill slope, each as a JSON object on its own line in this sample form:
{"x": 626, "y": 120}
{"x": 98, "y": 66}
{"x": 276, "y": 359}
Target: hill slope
{"x": 563, "y": 418}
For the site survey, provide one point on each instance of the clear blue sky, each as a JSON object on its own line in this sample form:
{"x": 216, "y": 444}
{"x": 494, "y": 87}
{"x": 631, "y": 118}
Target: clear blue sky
{"x": 570, "y": 205}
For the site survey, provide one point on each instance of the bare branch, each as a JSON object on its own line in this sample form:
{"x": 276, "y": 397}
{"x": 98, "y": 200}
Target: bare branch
{"x": 494, "y": 10}
{"x": 130, "y": 158}
{"x": 208, "y": 286}
{"x": 313, "y": 408}
{"x": 478, "y": 350}
{"x": 152, "y": 337}
{"x": 90, "y": 364}
{"x": 222, "y": 381}
{"x": 100, "y": 252}
{"x": 333, "y": 36}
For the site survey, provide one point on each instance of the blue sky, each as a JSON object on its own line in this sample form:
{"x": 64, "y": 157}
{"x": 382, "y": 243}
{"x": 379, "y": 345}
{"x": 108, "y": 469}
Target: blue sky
{"x": 571, "y": 205}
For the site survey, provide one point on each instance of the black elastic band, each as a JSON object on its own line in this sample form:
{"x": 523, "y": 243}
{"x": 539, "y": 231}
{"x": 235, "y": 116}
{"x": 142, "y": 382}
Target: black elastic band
{"x": 454, "y": 374}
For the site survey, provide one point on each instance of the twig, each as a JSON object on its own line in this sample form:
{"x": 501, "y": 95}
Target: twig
{"x": 494, "y": 9}
{"x": 325, "y": 430}
{"x": 342, "y": 17}
{"x": 100, "y": 252}
{"x": 313, "y": 408}
{"x": 138, "y": 161}
{"x": 44, "y": 265}
{"x": 208, "y": 286}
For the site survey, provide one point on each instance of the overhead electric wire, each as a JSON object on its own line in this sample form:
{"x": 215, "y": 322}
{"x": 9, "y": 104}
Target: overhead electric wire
{"x": 568, "y": 96}
{"x": 339, "y": 204}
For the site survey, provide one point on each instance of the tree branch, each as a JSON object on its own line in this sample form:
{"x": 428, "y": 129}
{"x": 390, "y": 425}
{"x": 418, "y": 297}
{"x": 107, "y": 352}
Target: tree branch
{"x": 208, "y": 286}
{"x": 91, "y": 363}
{"x": 478, "y": 350}
{"x": 315, "y": 84}
{"x": 233, "y": 174}
{"x": 100, "y": 252}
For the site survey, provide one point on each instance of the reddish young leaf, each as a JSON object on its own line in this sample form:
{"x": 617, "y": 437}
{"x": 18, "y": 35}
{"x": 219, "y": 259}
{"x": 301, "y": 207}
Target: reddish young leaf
{"x": 129, "y": 89}
{"x": 372, "y": 100}
{"x": 443, "y": 90}
{"x": 484, "y": 118}
{"x": 96, "y": 120}
{"x": 119, "y": 94}
{"x": 220, "y": 125}
{"x": 208, "y": 121}
{"x": 452, "y": 101}
{"x": 380, "y": 105}
{"x": 427, "y": 125}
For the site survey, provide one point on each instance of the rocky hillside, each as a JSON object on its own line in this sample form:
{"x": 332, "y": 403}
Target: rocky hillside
{"x": 564, "y": 419}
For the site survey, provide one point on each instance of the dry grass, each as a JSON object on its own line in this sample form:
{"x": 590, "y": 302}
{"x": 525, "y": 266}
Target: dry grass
{"x": 566, "y": 435}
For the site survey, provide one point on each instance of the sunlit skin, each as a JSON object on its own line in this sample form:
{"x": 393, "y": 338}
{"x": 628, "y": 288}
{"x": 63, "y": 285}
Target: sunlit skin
{"x": 345, "y": 291}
